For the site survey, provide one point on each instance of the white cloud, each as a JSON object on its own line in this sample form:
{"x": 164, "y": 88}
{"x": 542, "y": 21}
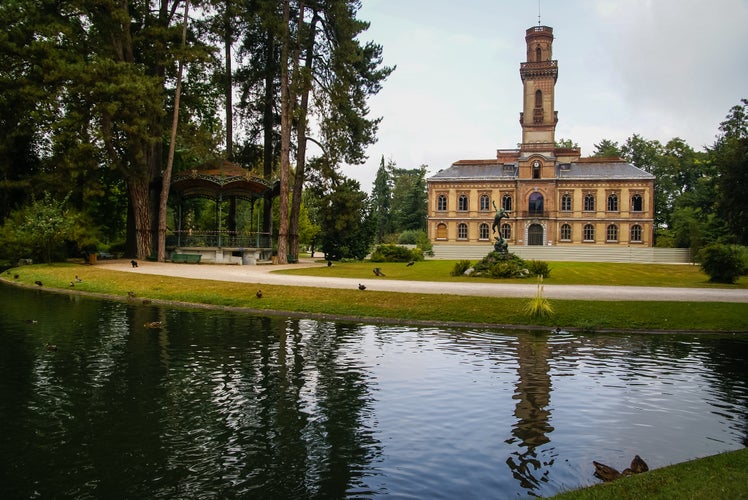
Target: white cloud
{"x": 658, "y": 68}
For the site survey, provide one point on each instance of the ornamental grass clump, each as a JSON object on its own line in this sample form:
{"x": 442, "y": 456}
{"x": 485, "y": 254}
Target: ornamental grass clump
{"x": 539, "y": 306}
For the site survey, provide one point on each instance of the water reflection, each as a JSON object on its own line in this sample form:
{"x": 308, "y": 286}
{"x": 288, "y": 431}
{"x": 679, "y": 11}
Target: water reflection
{"x": 229, "y": 405}
{"x": 529, "y": 465}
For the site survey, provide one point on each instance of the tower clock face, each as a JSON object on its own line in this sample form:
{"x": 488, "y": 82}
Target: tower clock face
{"x": 536, "y": 164}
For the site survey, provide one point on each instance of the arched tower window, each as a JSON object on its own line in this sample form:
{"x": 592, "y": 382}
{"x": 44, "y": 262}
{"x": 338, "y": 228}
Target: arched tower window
{"x": 506, "y": 231}
{"x": 441, "y": 203}
{"x": 462, "y": 203}
{"x": 506, "y": 203}
{"x": 535, "y": 205}
{"x": 538, "y": 53}
{"x": 636, "y": 203}
{"x": 538, "y": 99}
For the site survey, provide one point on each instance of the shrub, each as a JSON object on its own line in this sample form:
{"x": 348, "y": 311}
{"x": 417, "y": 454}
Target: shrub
{"x": 538, "y": 306}
{"x": 723, "y": 263}
{"x": 460, "y": 268}
{"x": 409, "y": 237}
{"x": 539, "y": 268}
{"x": 501, "y": 265}
{"x": 395, "y": 253}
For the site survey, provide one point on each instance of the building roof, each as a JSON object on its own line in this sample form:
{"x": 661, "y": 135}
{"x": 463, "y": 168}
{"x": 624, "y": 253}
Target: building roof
{"x": 584, "y": 168}
{"x": 476, "y": 170}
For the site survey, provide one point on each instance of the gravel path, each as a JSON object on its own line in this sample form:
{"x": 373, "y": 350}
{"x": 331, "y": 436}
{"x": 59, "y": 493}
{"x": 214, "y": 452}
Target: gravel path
{"x": 263, "y": 274}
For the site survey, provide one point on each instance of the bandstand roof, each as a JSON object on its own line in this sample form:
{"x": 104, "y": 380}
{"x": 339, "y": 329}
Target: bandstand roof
{"x": 222, "y": 178}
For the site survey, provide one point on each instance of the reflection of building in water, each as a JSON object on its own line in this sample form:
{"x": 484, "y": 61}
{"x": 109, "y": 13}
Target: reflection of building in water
{"x": 533, "y": 395}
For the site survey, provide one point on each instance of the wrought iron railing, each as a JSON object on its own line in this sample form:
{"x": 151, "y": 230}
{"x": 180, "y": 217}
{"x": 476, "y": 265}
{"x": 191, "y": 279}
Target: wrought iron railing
{"x": 219, "y": 239}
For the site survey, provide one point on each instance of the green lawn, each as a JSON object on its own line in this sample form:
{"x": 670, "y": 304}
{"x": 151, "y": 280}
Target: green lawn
{"x": 562, "y": 273}
{"x": 584, "y": 315}
{"x": 723, "y": 476}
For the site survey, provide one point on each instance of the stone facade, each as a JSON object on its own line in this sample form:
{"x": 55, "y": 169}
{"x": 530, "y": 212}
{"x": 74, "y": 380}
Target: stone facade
{"x": 551, "y": 195}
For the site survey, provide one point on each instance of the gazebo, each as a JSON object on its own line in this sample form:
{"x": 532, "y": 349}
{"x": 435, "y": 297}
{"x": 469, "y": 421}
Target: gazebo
{"x": 231, "y": 239}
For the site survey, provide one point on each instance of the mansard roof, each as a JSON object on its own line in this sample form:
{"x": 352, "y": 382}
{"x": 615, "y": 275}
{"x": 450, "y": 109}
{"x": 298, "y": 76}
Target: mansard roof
{"x": 592, "y": 168}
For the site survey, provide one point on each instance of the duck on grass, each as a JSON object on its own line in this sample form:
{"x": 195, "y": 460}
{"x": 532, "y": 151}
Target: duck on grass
{"x": 502, "y": 265}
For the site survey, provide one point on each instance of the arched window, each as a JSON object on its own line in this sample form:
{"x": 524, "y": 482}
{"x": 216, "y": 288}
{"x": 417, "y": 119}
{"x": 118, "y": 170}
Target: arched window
{"x": 461, "y": 231}
{"x": 565, "y": 232}
{"x": 538, "y": 53}
{"x": 506, "y": 202}
{"x": 636, "y": 203}
{"x": 589, "y": 203}
{"x": 636, "y": 233}
{"x": 536, "y": 170}
{"x": 462, "y": 203}
{"x": 612, "y": 233}
{"x": 485, "y": 202}
{"x": 538, "y": 99}
{"x": 441, "y": 231}
{"x": 506, "y": 231}
{"x": 566, "y": 203}
{"x": 612, "y": 203}
{"x": 441, "y": 203}
{"x": 483, "y": 231}
{"x": 589, "y": 232}
{"x": 535, "y": 205}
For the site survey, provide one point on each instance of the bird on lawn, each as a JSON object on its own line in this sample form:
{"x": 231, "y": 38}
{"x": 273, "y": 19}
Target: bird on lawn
{"x": 72, "y": 284}
{"x": 259, "y": 294}
{"x": 638, "y": 465}
{"x": 410, "y": 263}
{"x": 361, "y": 287}
{"x": 329, "y": 263}
{"x": 607, "y": 473}
{"x": 16, "y": 276}
{"x": 38, "y": 283}
{"x": 134, "y": 263}
{"x": 77, "y": 279}
{"x": 378, "y": 271}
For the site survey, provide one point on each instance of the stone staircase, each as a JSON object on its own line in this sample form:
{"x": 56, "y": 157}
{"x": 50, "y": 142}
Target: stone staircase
{"x": 575, "y": 253}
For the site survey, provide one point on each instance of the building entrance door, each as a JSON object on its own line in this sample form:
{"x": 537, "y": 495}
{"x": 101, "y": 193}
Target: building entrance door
{"x": 535, "y": 234}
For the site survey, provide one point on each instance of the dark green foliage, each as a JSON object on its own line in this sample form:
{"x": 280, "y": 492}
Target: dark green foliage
{"x": 723, "y": 263}
{"x": 501, "y": 265}
{"x": 539, "y": 268}
{"x": 396, "y": 253}
{"x": 460, "y": 268}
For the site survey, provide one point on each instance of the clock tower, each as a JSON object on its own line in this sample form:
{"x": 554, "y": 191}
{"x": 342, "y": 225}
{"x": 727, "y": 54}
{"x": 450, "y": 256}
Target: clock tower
{"x": 539, "y": 75}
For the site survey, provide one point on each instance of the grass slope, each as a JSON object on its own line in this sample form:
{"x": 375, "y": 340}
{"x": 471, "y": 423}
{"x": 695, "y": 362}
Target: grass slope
{"x": 571, "y": 314}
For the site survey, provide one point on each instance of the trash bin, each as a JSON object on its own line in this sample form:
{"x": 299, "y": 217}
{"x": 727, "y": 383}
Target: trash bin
{"x": 92, "y": 258}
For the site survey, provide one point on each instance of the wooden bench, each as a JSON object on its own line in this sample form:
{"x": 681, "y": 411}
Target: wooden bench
{"x": 188, "y": 258}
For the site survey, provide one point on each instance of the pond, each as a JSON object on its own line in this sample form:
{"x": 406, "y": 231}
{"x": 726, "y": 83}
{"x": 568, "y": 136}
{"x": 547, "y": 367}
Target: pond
{"x": 223, "y": 404}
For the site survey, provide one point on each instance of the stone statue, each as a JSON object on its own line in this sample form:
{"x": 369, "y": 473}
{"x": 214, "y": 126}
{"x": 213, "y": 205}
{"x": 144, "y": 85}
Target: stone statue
{"x": 500, "y": 245}
{"x": 500, "y": 213}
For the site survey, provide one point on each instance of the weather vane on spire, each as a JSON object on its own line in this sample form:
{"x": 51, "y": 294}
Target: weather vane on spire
{"x": 538, "y": 12}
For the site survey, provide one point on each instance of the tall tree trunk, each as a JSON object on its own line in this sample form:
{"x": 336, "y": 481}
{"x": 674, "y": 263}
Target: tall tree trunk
{"x": 139, "y": 190}
{"x": 227, "y": 43}
{"x": 268, "y": 122}
{"x": 166, "y": 179}
{"x": 306, "y": 86}
{"x": 285, "y": 160}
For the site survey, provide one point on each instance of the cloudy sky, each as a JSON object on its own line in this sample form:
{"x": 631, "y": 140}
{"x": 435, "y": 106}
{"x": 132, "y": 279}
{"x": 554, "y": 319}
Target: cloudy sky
{"x": 657, "y": 68}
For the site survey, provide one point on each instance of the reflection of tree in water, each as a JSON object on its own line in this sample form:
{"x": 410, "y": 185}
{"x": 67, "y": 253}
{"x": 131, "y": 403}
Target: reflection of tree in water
{"x": 533, "y": 394}
{"x": 727, "y": 358}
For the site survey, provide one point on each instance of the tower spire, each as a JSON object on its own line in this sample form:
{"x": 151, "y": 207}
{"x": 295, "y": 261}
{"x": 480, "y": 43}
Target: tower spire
{"x": 538, "y": 12}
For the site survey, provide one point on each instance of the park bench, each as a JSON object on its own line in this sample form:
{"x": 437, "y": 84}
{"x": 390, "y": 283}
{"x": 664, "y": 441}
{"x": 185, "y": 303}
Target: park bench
{"x": 188, "y": 258}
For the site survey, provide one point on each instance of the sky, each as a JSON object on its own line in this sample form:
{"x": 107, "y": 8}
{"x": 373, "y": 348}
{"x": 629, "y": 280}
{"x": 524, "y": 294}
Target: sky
{"x": 657, "y": 68}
